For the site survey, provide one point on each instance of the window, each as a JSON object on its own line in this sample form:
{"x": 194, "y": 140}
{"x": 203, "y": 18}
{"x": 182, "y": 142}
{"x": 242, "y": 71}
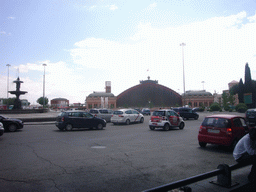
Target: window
{"x": 237, "y": 122}
{"x": 135, "y": 112}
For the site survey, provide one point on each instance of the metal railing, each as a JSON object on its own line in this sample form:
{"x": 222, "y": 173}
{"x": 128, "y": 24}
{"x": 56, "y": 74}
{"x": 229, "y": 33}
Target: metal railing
{"x": 223, "y": 173}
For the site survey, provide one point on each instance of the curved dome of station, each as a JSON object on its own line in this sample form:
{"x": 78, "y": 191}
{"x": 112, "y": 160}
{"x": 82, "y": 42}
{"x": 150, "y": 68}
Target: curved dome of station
{"x": 149, "y": 93}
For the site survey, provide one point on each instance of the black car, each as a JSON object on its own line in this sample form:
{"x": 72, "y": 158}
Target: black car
{"x": 145, "y": 112}
{"x": 1, "y": 129}
{"x": 186, "y": 113}
{"x": 78, "y": 119}
{"x": 250, "y": 115}
{"x": 11, "y": 124}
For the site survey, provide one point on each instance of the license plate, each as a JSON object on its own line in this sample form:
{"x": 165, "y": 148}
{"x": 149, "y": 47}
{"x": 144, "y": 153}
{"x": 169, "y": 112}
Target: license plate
{"x": 213, "y": 131}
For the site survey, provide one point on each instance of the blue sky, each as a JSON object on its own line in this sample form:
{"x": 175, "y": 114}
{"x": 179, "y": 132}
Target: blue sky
{"x": 85, "y": 43}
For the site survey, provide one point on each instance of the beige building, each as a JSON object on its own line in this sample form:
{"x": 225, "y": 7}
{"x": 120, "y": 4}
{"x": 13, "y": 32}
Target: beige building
{"x": 197, "y": 98}
{"x": 101, "y": 99}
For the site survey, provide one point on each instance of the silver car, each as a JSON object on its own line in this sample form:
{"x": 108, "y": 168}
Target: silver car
{"x": 102, "y": 113}
{"x": 126, "y": 116}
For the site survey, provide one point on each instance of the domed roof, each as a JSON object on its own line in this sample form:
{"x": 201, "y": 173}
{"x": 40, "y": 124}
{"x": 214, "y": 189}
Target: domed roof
{"x": 148, "y": 93}
{"x": 197, "y": 93}
{"x": 101, "y": 94}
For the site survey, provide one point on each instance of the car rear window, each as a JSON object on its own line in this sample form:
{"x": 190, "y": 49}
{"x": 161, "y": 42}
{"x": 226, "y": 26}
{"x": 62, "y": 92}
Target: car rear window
{"x": 158, "y": 113}
{"x": 216, "y": 122}
{"x": 118, "y": 112}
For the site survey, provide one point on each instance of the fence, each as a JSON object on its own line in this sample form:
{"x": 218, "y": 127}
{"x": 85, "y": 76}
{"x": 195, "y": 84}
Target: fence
{"x": 223, "y": 173}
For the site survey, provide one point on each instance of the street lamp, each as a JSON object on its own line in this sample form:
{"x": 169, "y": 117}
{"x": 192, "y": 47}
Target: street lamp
{"x": 8, "y": 65}
{"x": 44, "y": 87}
{"x": 183, "y": 44}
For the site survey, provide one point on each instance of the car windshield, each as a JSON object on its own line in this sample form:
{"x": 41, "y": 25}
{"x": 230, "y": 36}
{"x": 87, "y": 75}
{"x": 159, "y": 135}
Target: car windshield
{"x": 216, "y": 122}
{"x": 158, "y": 113}
{"x": 251, "y": 112}
{"x": 118, "y": 112}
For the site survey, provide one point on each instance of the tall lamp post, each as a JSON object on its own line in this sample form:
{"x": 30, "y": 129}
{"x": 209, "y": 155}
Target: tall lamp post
{"x": 203, "y": 84}
{"x": 8, "y": 65}
{"x": 44, "y": 87}
{"x": 183, "y": 44}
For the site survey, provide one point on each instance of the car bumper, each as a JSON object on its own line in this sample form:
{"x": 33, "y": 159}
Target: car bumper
{"x": 226, "y": 141}
{"x": 156, "y": 124}
{"x": 59, "y": 124}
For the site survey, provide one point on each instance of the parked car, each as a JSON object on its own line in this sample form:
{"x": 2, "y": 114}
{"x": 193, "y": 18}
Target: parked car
{"x": 222, "y": 129}
{"x": 102, "y": 113}
{"x": 145, "y": 112}
{"x": 78, "y": 119}
{"x": 127, "y": 116}
{"x": 138, "y": 110}
{"x": 250, "y": 115}
{"x": 186, "y": 113}
{"x": 165, "y": 119}
{"x": 11, "y": 124}
{"x": 1, "y": 129}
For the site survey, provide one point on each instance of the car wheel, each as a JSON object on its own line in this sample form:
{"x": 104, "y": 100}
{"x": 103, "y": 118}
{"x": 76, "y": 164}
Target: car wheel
{"x": 202, "y": 144}
{"x": 152, "y": 128}
{"x": 196, "y": 118}
{"x": 141, "y": 120}
{"x": 182, "y": 125}
{"x": 69, "y": 127}
{"x": 166, "y": 127}
{"x": 12, "y": 127}
{"x": 99, "y": 126}
{"x": 127, "y": 122}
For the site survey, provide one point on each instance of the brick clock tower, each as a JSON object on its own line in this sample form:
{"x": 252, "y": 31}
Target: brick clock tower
{"x": 108, "y": 86}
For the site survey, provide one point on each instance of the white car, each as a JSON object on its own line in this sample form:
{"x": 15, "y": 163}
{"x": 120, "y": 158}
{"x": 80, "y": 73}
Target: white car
{"x": 165, "y": 119}
{"x": 126, "y": 116}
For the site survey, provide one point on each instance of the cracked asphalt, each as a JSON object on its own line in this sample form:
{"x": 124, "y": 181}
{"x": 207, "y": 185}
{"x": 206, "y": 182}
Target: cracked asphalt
{"x": 119, "y": 158}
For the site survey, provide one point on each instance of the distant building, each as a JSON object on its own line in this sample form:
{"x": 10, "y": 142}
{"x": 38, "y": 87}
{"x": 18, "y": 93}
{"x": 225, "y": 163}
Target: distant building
{"x": 198, "y": 98}
{"x": 59, "y": 103}
{"x": 102, "y": 99}
{"x": 149, "y": 94}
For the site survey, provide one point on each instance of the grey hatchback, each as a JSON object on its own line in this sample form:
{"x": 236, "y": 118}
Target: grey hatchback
{"x": 78, "y": 119}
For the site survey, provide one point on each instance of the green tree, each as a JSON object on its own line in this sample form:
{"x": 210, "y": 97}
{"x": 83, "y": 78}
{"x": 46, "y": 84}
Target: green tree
{"x": 224, "y": 99}
{"x": 241, "y": 91}
{"x": 41, "y": 101}
{"x": 215, "y": 107}
{"x": 231, "y": 99}
{"x": 9, "y": 101}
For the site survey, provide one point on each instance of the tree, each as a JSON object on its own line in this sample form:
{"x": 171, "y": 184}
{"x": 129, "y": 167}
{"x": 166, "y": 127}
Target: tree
{"x": 41, "y": 100}
{"x": 241, "y": 91}
{"x": 9, "y": 101}
{"x": 224, "y": 99}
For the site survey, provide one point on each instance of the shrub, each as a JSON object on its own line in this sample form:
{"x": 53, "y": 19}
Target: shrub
{"x": 215, "y": 107}
{"x": 226, "y": 108}
{"x": 241, "y": 107}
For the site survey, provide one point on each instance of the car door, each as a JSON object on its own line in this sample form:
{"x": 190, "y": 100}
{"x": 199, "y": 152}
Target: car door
{"x": 136, "y": 115}
{"x": 88, "y": 120}
{"x": 239, "y": 127}
{"x": 173, "y": 118}
{"x": 130, "y": 115}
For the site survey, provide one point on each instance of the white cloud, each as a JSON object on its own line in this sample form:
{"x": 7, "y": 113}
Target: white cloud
{"x": 112, "y": 7}
{"x": 11, "y": 18}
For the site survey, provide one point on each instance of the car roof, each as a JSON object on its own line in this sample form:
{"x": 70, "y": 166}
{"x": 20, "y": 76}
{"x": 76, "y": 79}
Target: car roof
{"x": 165, "y": 110}
{"x": 226, "y": 116}
{"x": 251, "y": 110}
{"x": 73, "y": 111}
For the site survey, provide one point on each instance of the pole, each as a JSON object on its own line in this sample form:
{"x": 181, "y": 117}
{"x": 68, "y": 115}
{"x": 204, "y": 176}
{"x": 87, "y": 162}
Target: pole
{"x": 183, "y": 44}
{"x": 8, "y": 65}
{"x": 44, "y": 87}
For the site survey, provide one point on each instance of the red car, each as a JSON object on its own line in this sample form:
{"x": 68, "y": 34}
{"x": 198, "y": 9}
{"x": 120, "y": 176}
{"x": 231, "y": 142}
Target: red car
{"x": 222, "y": 129}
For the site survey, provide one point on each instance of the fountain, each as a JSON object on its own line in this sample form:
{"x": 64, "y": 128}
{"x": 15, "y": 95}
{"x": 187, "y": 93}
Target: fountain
{"x": 17, "y": 102}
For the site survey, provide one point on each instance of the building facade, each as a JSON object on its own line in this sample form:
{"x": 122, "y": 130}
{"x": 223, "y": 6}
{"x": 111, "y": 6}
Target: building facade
{"x": 59, "y": 103}
{"x": 197, "y": 98}
{"x": 101, "y": 99}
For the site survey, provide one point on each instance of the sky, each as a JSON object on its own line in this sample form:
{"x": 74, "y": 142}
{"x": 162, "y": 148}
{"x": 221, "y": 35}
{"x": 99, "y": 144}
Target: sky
{"x": 87, "y": 42}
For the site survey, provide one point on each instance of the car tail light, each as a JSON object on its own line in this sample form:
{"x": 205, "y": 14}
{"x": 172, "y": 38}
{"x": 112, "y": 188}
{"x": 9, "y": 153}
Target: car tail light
{"x": 201, "y": 128}
{"x": 120, "y": 116}
{"x": 229, "y": 131}
{"x": 62, "y": 119}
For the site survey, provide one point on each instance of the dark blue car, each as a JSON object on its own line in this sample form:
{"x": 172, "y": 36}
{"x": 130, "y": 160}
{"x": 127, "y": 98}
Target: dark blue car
{"x": 78, "y": 119}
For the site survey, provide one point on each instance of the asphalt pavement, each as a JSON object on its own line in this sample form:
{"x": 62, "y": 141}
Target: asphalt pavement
{"x": 239, "y": 176}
